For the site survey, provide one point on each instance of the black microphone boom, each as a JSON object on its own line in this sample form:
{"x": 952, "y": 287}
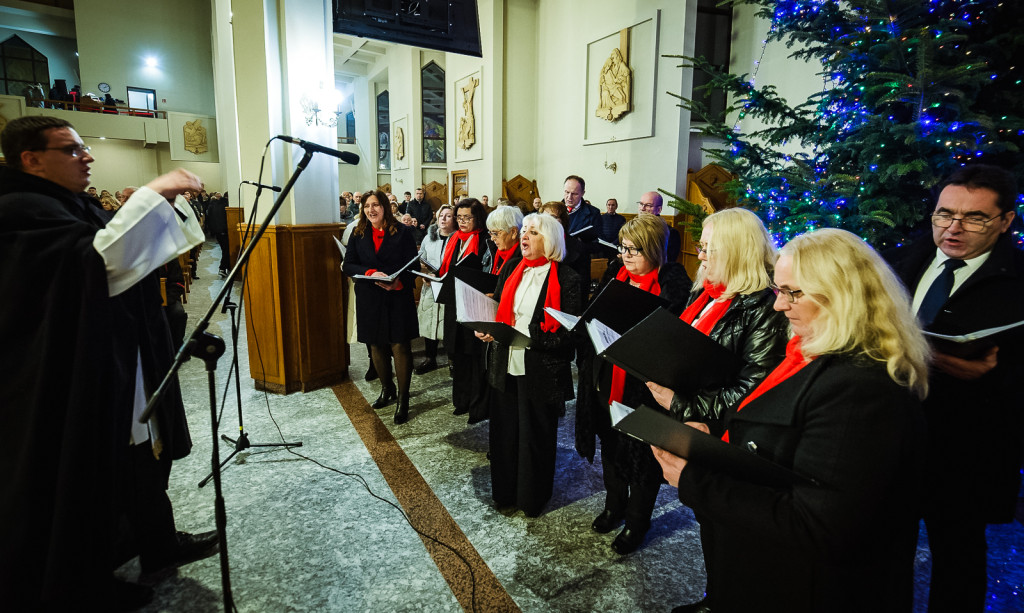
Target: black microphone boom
{"x": 270, "y": 187}
{"x": 345, "y": 156}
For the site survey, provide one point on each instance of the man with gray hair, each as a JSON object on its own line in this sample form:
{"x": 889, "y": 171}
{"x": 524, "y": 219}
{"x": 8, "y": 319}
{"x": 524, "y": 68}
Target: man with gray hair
{"x": 650, "y": 204}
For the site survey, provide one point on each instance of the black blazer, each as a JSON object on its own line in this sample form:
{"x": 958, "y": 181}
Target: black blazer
{"x": 382, "y": 316}
{"x": 980, "y": 419}
{"x": 845, "y": 423}
{"x": 457, "y": 338}
{"x": 547, "y": 359}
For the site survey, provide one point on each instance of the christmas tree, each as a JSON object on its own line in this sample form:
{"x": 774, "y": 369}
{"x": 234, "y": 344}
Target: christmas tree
{"x": 911, "y": 90}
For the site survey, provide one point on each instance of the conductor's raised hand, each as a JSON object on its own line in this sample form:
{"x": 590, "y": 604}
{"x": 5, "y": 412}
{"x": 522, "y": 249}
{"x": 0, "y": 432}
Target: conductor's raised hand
{"x": 175, "y": 182}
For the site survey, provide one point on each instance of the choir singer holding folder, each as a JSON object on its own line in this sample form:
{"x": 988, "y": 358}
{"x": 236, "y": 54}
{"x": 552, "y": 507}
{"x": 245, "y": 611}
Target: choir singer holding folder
{"x": 842, "y": 409}
{"x": 532, "y": 384}
{"x": 385, "y": 311}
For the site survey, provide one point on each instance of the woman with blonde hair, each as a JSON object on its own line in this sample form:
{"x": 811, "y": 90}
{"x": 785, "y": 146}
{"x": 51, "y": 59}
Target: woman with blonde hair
{"x": 842, "y": 410}
{"x": 532, "y": 384}
{"x": 632, "y": 477}
{"x": 429, "y": 312}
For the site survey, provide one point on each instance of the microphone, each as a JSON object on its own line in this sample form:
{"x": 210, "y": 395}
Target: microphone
{"x": 270, "y": 187}
{"x": 344, "y": 156}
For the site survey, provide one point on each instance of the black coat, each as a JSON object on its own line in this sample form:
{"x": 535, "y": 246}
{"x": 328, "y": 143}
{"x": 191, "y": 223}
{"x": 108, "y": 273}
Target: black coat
{"x": 752, "y": 329}
{"x": 383, "y": 317}
{"x": 547, "y": 360}
{"x": 979, "y": 419}
{"x": 846, "y": 545}
{"x": 592, "y": 417}
{"x": 67, "y": 382}
{"x": 458, "y": 338}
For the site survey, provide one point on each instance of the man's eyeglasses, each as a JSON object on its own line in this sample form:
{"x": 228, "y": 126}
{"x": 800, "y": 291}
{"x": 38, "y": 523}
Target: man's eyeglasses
{"x": 75, "y": 151}
{"x": 628, "y": 250}
{"x": 645, "y": 206}
{"x": 792, "y": 295}
{"x": 969, "y": 224}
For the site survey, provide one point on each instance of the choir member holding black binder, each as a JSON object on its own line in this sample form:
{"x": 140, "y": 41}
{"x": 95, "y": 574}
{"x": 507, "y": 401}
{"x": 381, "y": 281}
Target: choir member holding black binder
{"x": 504, "y": 225}
{"x": 385, "y": 310}
{"x": 843, "y": 410}
{"x": 632, "y": 477}
{"x": 465, "y": 249}
{"x": 531, "y": 384}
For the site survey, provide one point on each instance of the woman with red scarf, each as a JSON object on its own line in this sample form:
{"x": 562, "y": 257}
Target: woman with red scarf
{"x": 532, "y": 384}
{"x": 503, "y": 226}
{"x": 465, "y": 353}
{"x": 385, "y": 312}
{"x": 632, "y": 477}
{"x": 841, "y": 409}
{"x": 731, "y": 302}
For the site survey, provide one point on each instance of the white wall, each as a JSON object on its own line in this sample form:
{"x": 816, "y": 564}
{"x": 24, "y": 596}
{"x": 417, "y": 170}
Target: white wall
{"x": 115, "y": 37}
{"x": 59, "y": 52}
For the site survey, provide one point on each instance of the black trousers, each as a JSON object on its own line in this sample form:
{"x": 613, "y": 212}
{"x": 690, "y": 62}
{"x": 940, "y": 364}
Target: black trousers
{"x": 956, "y": 537}
{"x": 634, "y": 498}
{"x": 225, "y": 250}
{"x": 523, "y": 436}
{"x": 148, "y": 508}
{"x": 469, "y": 383}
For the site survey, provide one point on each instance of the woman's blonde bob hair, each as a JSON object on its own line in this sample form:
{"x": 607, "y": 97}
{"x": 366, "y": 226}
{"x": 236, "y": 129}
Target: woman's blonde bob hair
{"x": 649, "y": 233}
{"x": 551, "y": 231}
{"x": 740, "y": 253}
{"x": 863, "y": 306}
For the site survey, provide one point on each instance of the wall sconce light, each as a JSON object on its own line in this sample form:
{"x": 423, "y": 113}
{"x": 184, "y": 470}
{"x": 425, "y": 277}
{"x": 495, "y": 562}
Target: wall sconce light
{"x": 314, "y": 113}
{"x": 612, "y": 167}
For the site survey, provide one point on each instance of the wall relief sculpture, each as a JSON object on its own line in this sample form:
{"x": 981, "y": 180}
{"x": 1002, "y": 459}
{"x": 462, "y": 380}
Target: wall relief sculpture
{"x": 195, "y": 137}
{"x": 399, "y": 144}
{"x": 616, "y": 86}
{"x": 467, "y": 123}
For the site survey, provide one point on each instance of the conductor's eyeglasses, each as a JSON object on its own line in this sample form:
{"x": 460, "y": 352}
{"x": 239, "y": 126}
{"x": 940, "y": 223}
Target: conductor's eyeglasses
{"x": 971, "y": 223}
{"x": 75, "y": 151}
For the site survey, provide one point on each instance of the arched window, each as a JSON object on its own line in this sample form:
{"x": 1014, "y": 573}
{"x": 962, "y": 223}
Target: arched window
{"x": 22, "y": 66}
{"x": 433, "y": 114}
{"x": 383, "y": 131}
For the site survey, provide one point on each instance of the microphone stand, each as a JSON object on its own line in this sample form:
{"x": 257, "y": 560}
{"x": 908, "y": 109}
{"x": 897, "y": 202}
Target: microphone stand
{"x": 208, "y": 348}
{"x": 242, "y": 442}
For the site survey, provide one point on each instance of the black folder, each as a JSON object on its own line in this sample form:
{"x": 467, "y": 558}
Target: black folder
{"x": 973, "y": 345}
{"x": 659, "y": 429}
{"x": 620, "y": 306}
{"x": 502, "y": 332}
{"x": 664, "y": 349}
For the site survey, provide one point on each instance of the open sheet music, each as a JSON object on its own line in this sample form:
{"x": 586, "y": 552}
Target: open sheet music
{"x": 477, "y": 311}
{"x": 392, "y": 276}
{"x": 970, "y": 345}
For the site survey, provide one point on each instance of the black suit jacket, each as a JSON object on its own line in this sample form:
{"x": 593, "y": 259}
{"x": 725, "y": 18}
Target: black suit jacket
{"x": 843, "y": 422}
{"x": 975, "y": 426}
{"x": 383, "y": 316}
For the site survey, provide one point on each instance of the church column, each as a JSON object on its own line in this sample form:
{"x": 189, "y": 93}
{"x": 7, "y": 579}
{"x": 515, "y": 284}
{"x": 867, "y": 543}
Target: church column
{"x": 283, "y": 67}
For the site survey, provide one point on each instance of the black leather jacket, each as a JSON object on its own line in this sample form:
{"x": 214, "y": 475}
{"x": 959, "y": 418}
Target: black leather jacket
{"x": 756, "y": 332}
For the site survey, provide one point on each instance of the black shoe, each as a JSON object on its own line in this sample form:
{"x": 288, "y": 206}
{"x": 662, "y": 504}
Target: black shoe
{"x": 628, "y": 541}
{"x": 606, "y": 521}
{"x": 402, "y": 411}
{"x": 189, "y": 548}
{"x": 387, "y": 396}
{"x": 371, "y": 373}
{"x": 701, "y": 606}
{"x": 426, "y": 366}
{"x": 460, "y": 411}
{"x": 130, "y": 596}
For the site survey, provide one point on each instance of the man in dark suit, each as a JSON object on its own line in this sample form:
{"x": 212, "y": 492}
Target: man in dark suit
{"x": 421, "y": 212}
{"x": 968, "y": 278}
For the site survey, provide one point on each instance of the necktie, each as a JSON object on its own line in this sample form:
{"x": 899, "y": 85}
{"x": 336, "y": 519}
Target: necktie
{"x": 938, "y": 292}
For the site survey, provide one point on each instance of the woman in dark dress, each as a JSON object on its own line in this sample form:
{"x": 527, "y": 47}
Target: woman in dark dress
{"x": 385, "y": 312}
{"x": 632, "y": 477}
{"x": 465, "y": 353}
{"x": 532, "y": 384}
{"x": 841, "y": 409}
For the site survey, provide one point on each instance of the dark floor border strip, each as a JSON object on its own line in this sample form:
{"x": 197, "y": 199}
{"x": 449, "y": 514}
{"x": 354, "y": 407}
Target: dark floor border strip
{"x": 425, "y": 510}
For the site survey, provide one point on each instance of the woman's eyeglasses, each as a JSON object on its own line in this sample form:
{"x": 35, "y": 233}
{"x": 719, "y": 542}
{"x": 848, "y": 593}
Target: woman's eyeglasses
{"x": 792, "y": 295}
{"x": 624, "y": 250}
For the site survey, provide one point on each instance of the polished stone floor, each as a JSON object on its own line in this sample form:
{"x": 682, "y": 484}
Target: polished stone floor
{"x": 365, "y": 515}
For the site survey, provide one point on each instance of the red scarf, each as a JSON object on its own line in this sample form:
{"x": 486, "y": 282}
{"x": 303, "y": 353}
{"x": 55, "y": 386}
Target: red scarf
{"x": 552, "y": 299}
{"x": 648, "y": 283}
{"x": 500, "y": 257}
{"x": 707, "y": 322}
{"x": 792, "y": 363}
{"x": 378, "y": 238}
{"x": 472, "y": 246}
